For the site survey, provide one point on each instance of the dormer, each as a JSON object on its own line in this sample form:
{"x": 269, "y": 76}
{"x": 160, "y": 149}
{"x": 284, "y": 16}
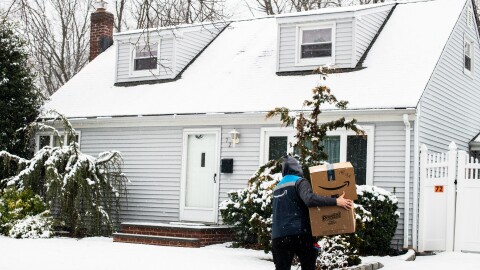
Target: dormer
{"x": 159, "y": 55}
{"x": 337, "y": 37}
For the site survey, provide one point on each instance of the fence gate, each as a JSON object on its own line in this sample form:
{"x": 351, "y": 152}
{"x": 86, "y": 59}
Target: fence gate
{"x": 449, "y": 216}
{"x": 467, "y": 225}
{"x": 437, "y": 199}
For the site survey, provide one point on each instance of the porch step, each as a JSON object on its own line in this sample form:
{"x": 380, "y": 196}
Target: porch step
{"x": 173, "y": 234}
{"x": 156, "y": 240}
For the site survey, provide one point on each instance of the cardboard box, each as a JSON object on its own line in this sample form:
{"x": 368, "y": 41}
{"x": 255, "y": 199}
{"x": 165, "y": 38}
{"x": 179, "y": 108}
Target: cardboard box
{"x": 332, "y": 180}
{"x": 330, "y": 220}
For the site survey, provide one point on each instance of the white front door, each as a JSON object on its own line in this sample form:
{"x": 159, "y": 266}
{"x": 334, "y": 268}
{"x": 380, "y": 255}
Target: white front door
{"x": 200, "y": 175}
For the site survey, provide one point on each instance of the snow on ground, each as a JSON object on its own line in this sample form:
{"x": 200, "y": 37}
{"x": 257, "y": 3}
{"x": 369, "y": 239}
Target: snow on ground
{"x": 100, "y": 253}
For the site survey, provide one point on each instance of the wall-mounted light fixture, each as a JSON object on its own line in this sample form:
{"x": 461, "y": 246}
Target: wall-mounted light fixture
{"x": 234, "y": 137}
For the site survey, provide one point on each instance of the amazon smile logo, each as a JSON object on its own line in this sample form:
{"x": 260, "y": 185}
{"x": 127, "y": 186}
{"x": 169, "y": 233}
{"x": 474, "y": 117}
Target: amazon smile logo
{"x": 346, "y": 184}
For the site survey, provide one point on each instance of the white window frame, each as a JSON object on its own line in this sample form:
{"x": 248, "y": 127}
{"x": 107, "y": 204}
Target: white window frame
{"x": 467, "y": 39}
{"x": 343, "y": 133}
{"x": 50, "y": 134}
{"x": 143, "y": 73}
{"x": 268, "y": 132}
{"x": 299, "y": 61}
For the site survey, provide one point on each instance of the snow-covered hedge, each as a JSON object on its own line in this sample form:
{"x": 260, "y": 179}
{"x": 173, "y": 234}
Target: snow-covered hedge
{"x": 379, "y": 231}
{"x": 24, "y": 215}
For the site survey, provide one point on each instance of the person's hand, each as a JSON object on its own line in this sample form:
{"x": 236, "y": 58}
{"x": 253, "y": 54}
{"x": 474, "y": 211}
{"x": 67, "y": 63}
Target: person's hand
{"x": 345, "y": 203}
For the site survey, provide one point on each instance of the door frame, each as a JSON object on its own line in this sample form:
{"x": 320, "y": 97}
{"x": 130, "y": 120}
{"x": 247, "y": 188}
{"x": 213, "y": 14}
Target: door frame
{"x": 190, "y": 131}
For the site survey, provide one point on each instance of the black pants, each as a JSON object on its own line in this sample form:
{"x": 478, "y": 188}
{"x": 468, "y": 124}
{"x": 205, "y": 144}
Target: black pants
{"x": 284, "y": 248}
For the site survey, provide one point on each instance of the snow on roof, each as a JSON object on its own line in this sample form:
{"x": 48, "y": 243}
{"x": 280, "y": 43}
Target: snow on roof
{"x": 330, "y": 10}
{"x": 236, "y": 73}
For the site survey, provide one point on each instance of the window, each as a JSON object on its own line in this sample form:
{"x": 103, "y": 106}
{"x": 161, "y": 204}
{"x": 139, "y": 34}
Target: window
{"x": 277, "y": 147}
{"x": 340, "y": 145}
{"x": 468, "y": 56}
{"x": 43, "y": 140}
{"x": 145, "y": 57}
{"x": 316, "y": 44}
{"x": 356, "y": 153}
{"x": 275, "y": 143}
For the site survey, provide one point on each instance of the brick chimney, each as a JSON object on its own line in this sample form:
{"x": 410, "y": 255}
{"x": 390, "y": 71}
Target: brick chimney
{"x": 101, "y": 30}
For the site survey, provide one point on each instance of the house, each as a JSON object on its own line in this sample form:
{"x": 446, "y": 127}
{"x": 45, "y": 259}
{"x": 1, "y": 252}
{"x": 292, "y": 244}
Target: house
{"x": 170, "y": 100}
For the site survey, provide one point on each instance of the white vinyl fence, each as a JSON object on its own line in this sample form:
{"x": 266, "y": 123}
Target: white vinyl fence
{"x": 449, "y": 201}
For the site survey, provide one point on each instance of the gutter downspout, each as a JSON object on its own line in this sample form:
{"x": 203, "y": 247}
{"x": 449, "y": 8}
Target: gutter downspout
{"x": 406, "y": 217}
{"x": 416, "y": 171}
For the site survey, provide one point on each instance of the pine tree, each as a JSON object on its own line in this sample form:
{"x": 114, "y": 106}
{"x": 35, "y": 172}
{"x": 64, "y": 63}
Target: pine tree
{"x": 20, "y": 100}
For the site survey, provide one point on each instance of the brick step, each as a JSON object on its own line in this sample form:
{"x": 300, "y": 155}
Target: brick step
{"x": 156, "y": 240}
{"x": 155, "y": 233}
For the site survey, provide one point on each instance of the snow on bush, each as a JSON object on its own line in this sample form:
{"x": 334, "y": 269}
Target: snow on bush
{"x": 335, "y": 252}
{"x": 20, "y": 210}
{"x": 378, "y": 232}
{"x": 38, "y": 226}
{"x": 249, "y": 210}
{"x": 82, "y": 191}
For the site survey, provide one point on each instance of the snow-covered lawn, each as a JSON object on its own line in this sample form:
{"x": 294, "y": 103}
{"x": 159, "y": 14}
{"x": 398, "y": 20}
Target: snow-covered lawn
{"x": 102, "y": 254}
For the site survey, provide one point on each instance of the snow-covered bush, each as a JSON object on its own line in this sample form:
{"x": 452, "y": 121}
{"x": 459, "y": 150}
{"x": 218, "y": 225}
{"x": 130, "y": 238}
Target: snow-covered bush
{"x": 38, "y": 226}
{"x": 378, "y": 232}
{"x": 336, "y": 252}
{"x": 249, "y": 210}
{"x": 82, "y": 191}
{"x": 16, "y": 206}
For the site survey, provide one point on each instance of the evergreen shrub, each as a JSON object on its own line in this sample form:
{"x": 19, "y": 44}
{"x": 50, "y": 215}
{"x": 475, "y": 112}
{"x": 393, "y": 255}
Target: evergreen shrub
{"x": 82, "y": 192}
{"x": 23, "y": 214}
{"x": 378, "y": 233}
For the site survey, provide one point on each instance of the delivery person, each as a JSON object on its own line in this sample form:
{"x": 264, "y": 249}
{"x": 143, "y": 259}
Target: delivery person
{"x": 291, "y": 233}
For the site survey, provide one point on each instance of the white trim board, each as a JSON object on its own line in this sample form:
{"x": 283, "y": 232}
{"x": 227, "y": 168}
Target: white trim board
{"x": 367, "y": 116}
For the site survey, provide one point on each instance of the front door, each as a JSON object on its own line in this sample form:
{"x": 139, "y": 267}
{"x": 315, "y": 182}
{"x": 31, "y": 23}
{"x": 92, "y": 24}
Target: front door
{"x": 200, "y": 175}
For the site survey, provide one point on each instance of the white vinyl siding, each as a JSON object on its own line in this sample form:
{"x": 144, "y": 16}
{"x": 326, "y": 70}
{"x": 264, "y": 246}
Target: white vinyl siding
{"x": 192, "y": 43}
{"x": 367, "y": 27}
{"x": 153, "y": 162}
{"x": 449, "y": 107}
{"x": 389, "y": 169}
{"x": 288, "y": 46}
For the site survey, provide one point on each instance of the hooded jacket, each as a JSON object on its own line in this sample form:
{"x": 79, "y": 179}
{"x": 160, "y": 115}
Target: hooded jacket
{"x": 291, "y": 198}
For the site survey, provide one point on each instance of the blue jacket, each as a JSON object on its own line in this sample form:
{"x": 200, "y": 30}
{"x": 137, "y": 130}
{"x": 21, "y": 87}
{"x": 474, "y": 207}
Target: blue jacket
{"x": 291, "y": 198}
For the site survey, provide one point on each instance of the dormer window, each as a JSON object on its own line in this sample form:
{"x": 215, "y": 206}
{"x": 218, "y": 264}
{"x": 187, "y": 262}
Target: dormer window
{"x": 144, "y": 59}
{"x": 315, "y": 44}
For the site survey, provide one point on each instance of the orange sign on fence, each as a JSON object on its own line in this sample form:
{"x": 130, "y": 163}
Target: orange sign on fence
{"x": 438, "y": 189}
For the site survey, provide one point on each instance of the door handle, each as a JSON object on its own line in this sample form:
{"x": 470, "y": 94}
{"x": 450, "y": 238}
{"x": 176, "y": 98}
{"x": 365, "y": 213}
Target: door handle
{"x": 214, "y": 178}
